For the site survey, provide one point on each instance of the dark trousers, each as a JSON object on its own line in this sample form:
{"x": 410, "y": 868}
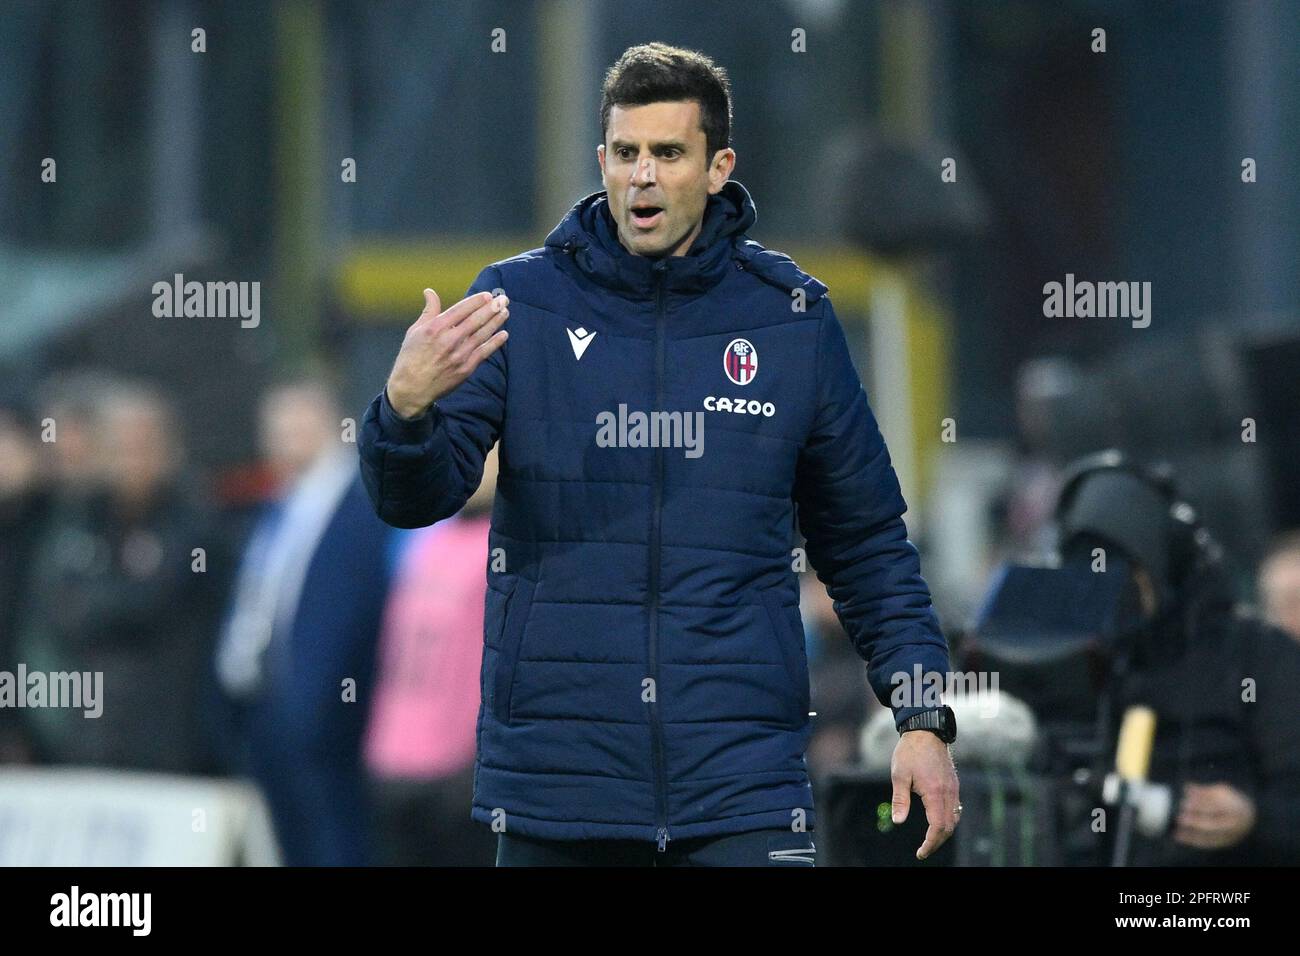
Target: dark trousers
{"x": 426, "y": 823}
{"x": 779, "y": 847}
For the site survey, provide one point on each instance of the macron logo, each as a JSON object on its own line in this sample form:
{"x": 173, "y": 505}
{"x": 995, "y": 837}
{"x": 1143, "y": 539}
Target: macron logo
{"x": 580, "y": 340}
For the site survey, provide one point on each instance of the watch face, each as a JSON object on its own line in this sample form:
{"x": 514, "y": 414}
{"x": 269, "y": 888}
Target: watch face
{"x": 948, "y": 721}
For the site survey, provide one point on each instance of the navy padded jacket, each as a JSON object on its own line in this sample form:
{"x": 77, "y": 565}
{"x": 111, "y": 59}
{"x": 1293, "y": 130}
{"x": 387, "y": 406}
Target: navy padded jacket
{"x": 643, "y": 671}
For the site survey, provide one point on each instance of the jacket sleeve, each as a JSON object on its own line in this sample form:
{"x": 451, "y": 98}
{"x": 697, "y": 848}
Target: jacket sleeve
{"x": 850, "y": 509}
{"x": 422, "y": 470}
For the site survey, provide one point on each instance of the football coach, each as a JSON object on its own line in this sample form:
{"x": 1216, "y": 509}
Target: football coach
{"x": 645, "y": 695}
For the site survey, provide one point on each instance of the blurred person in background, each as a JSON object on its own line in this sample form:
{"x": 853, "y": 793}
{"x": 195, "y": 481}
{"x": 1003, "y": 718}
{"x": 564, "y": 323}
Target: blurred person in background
{"x": 1023, "y": 513}
{"x": 115, "y": 587}
{"x": 67, "y": 408}
{"x": 841, "y": 695}
{"x": 24, "y": 504}
{"x": 420, "y": 741}
{"x": 73, "y": 402}
{"x": 1230, "y": 758}
{"x": 297, "y": 649}
{"x": 1279, "y": 585}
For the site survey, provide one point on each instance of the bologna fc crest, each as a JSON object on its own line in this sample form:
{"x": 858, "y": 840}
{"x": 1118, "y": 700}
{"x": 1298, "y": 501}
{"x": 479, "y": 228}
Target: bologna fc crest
{"x": 740, "y": 361}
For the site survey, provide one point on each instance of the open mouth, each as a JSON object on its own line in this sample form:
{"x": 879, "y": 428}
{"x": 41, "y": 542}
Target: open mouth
{"x": 647, "y": 217}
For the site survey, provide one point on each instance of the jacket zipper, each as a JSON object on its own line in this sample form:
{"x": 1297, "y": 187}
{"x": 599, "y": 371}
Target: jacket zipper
{"x": 656, "y": 730}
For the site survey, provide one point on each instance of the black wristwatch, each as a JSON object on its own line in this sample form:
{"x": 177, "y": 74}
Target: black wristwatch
{"x": 942, "y": 722}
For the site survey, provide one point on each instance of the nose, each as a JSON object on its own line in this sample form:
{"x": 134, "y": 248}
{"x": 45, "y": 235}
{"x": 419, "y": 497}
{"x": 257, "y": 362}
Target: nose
{"x": 644, "y": 172}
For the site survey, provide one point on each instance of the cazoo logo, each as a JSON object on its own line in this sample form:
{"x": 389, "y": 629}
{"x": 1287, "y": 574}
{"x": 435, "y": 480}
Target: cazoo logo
{"x": 739, "y": 406}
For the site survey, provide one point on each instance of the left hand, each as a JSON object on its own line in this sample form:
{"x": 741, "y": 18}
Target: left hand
{"x": 1214, "y": 816}
{"x": 923, "y": 764}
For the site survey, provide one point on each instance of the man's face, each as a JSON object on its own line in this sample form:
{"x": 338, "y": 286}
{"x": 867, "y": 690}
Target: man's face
{"x": 296, "y": 428}
{"x": 1279, "y": 586}
{"x": 137, "y": 450}
{"x": 658, "y": 175}
{"x": 1148, "y": 600}
{"x": 19, "y": 464}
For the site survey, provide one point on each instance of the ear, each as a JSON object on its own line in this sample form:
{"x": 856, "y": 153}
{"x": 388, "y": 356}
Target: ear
{"x": 724, "y": 161}
{"x": 600, "y": 157}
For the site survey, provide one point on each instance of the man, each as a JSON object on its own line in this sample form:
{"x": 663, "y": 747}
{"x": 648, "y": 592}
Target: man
{"x": 1279, "y": 584}
{"x": 296, "y": 652}
{"x": 1220, "y": 680}
{"x": 645, "y": 687}
{"x": 24, "y": 507}
{"x": 113, "y": 591}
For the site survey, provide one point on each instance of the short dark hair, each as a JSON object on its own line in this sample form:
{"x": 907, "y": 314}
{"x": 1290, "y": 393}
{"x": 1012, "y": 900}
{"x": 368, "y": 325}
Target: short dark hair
{"x": 656, "y": 73}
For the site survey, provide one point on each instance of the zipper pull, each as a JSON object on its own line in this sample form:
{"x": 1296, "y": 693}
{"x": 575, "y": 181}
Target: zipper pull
{"x": 663, "y": 839}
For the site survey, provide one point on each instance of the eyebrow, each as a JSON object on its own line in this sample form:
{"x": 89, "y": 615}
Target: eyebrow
{"x": 667, "y": 144}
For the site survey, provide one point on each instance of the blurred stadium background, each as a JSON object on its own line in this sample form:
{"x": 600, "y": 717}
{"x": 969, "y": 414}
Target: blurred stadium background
{"x": 472, "y": 127}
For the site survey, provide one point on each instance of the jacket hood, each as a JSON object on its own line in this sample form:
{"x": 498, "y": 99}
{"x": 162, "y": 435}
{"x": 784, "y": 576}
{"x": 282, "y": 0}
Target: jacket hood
{"x": 589, "y": 235}
{"x": 587, "y": 241}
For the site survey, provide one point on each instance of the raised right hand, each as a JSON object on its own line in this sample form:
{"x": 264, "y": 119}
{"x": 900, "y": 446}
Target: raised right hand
{"x": 442, "y": 349}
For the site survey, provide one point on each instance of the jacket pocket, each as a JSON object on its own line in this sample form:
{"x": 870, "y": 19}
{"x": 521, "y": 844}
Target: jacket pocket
{"x": 793, "y": 653}
{"x": 495, "y": 604}
{"x": 514, "y": 618}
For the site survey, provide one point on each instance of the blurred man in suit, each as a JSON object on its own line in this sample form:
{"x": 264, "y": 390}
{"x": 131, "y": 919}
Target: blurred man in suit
{"x": 297, "y": 650}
